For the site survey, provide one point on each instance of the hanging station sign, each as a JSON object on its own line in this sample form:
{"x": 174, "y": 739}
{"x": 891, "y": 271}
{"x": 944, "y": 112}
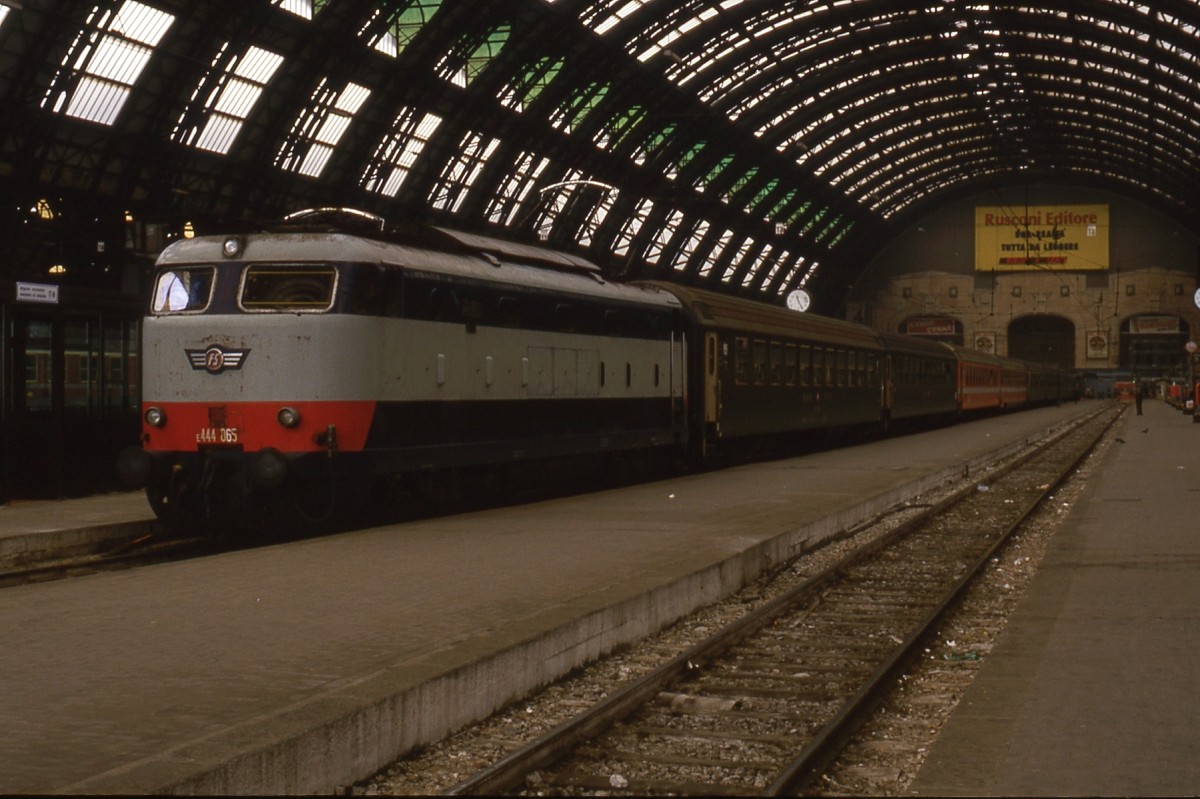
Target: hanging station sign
{"x": 1045, "y": 237}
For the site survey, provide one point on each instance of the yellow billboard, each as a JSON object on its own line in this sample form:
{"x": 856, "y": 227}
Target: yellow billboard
{"x": 1046, "y": 237}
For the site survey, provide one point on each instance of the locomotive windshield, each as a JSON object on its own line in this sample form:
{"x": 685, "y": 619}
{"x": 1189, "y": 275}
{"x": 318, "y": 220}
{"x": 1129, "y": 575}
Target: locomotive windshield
{"x": 183, "y": 290}
{"x": 288, "y": 287}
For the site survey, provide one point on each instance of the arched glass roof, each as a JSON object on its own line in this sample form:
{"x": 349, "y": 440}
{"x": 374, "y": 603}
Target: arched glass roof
{"x": 748, "y": 145}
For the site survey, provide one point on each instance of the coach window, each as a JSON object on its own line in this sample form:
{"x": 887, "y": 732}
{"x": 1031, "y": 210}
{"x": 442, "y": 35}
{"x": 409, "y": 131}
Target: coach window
{"x": 760, "y": 362}
{"x": 741, "y": 361}
{"x": 806, "y": 377}
{"x": 777, "y": 362}
{"x": 841, "y": 367}
{"x": 789, "y": 364}
{"x": 818, "y": 366}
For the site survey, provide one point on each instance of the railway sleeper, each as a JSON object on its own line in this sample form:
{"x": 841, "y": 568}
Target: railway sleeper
{"x": 781, "y": 741}
{"x": 593, "y": 782}
{"x": 647, "y": 758}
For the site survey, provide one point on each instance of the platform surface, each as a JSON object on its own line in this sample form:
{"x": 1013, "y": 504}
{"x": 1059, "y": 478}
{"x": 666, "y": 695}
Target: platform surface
{"x": 302, "y": 667}
{"x": 1093, "y": 687}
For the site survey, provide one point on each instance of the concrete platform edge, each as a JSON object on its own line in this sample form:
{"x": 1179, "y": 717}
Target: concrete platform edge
{"x": 39, "y": 548}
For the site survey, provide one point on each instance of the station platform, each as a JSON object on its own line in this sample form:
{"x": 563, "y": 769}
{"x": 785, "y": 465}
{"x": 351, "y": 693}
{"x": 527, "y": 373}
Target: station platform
{"x": 38, "y": 531}
{"x": 305, "y": 666}
{"x": 1093, "y": 687}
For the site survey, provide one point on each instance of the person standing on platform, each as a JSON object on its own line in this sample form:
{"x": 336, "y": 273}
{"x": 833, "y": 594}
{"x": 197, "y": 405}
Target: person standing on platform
{"x": 1137, "y": 397}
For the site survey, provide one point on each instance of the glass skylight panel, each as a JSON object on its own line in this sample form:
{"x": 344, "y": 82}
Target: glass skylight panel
{"x": 841, "y": 234}
{"x": 714, "y": 173}
{"x": 461, "y": 173}
{"x": 317, "y": 131}
{"x": 689, "y": 20}
{"x": 3, "y": 13}
{"x": 631, "y": 227}
{"x": 770, "y": 260}
{"x": 714, "y": 254}
{"x": 405, "y": 22}
{"x": 745, "y": 180}
{"x": 600, "y": 210}
{"x": 232, "y": 93}
{"x": 688, "y": 250}
{"x": 527, "y": 86}
{"x": 619, "y": 127}
{"x": 553, "y": 200}
{"x": 301, "y": 8}
{"x": 662, "y": 237}
{"x": 735, "y": 263}
{"x": 572, "y": 113}
{"x": 783, "y": 202}
{"x": 398, "y": 152}
{"x": 512, "y": 193}
{"x": 830, "y": 226}
{"x": 801, "y": 267}
{"x": 470, "y": 56}
{"x": 105, "y": 61}
{"x": 602, "y": 24}
{"x": 654, "y": 144}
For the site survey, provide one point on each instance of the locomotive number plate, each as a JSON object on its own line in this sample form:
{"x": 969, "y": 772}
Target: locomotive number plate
{"x": 217, "y": 435}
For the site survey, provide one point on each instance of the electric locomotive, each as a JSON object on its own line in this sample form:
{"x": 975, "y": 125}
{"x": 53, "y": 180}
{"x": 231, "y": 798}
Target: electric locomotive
{"x": 293, "y": 369}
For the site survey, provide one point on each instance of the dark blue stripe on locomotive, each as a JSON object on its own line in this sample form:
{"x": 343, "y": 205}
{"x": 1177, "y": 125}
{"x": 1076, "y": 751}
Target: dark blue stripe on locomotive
{"x": 397, "y": 292}
{"x": 442, "y": 433}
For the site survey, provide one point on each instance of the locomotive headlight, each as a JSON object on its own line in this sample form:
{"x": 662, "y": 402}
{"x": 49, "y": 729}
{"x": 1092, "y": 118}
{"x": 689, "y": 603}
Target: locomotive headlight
{"x": 288, "y": 417}
{"x": 231, "y": 247}
{"x": 156, "y": 417}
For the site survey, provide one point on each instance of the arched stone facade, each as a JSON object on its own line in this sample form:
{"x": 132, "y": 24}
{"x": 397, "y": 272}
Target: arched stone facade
{"x": 929, "y": 273}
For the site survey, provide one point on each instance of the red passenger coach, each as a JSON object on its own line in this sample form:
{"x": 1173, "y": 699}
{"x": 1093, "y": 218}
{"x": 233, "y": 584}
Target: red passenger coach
{"x": 1014, "y": 383}
{"x": 979, "y": 377}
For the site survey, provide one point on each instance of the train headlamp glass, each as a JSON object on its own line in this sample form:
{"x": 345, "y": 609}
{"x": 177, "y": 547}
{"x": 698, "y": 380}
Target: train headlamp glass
{"x": 288, "y": 417}
{"x": 156, "y": 417}
{"x": 231, "y": 247}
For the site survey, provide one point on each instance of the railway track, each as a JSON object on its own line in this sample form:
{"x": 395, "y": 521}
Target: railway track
{"x": 766, "y": 703}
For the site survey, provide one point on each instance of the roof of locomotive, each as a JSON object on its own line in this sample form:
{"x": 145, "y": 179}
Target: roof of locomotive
{"x": 423, "y": 248}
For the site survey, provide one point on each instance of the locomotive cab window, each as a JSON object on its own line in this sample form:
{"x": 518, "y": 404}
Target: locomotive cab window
{"x": 183, "y": 290}
{"x": 288, "y": 287}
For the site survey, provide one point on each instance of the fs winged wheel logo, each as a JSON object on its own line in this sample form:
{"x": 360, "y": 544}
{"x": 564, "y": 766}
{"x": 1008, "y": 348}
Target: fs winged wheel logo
{"x": 216, "y": 359}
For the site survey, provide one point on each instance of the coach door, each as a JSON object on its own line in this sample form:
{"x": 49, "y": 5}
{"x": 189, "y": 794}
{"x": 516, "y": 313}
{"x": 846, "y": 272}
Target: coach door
{"x": 712, "y": 388}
